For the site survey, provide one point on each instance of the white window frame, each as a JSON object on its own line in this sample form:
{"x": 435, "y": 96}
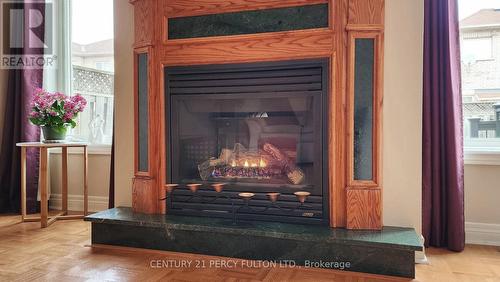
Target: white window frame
{"x": 482, "y": 151}
{"x": 65, "y": 69}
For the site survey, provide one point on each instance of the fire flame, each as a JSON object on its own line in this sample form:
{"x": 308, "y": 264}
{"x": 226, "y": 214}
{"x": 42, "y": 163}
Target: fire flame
{"x": 261, "y": 163}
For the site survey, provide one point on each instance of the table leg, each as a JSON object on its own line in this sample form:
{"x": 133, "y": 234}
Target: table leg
{"x": 64, "y": 179}
{"x": 44, "y": 210}
{"x": 23, "y": 183}
{"x": 85, "y": 181}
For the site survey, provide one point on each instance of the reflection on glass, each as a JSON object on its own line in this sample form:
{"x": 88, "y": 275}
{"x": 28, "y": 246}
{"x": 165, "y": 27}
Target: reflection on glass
{"x": 237, "y": 139}
{"x": 363, "y": 109}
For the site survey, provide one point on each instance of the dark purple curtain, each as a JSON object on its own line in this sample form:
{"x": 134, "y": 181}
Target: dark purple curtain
{"x": 17, "y": 128}
{"x": 442, "y": 167}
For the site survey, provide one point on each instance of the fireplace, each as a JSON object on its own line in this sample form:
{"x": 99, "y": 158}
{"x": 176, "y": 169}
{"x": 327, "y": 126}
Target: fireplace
{"x": 258, "y": 134}
{"x": 278, "y": 100}
{"x": 247, "y": 141}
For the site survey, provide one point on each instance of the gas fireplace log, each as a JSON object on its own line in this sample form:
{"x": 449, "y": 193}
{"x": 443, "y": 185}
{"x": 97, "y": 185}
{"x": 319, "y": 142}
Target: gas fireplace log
{"x": 206, "y": 169}
{"x": 295, "y": 174}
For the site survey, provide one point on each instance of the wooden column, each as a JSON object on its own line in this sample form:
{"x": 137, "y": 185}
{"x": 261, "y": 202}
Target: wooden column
{"x": 145, "y": 185}
{"x": 337, "y": 115}
{"x": 364, "y": 197}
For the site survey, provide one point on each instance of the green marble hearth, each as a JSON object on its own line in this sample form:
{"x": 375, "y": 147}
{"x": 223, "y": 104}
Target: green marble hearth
{"x": 390, "y": 251}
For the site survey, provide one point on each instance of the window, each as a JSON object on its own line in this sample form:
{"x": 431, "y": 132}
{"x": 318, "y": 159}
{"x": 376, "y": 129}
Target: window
{"x": 105, "y": 66}
{"x": 92, "y": 67}
{"x": 480, "y": 57}
{"x": 476, "y": 49}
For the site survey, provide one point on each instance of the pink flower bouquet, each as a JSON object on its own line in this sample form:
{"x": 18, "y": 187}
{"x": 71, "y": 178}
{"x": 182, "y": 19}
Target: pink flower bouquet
{"x": 55, "y": 111}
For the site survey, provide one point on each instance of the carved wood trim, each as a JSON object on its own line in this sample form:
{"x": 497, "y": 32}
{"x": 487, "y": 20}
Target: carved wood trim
{"x": 144, "y": 195}
{"x": 377, "y": 109}
{"x": 162, "y": 146}
{"x": 337, "y": 130}
{"x": 248, "y": 48}
{"x": 144, "y": 22}
{"x": 365, "y": 27}
{"x": 364, "y": 209}
{"x": 364, "y": 197}
{"x": 366, "y": 12}
{"x": 155, "y": 117}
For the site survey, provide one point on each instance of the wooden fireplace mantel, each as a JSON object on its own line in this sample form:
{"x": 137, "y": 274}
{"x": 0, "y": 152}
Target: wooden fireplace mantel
{"x": 354, "y": 204}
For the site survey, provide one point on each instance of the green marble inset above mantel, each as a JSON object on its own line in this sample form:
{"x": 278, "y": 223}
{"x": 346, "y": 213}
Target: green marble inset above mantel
{"x": 249, "y": 22}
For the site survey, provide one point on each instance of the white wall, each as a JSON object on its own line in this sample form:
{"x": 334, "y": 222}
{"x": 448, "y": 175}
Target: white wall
{"x": 402, "y": 113}
{"x": 98, "y": 180}
{"x": 124, "y": 103}
{"x": 482, "y": 194}
{"x": 482, "y": 206}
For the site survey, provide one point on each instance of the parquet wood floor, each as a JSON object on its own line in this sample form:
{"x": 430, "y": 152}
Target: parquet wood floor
{"x": 61, "y": 253}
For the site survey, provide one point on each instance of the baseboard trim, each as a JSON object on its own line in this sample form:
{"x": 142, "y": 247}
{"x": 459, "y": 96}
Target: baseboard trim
{"x": 420, "y": 257}
{"x": 482, "y": 233}
{"x": 75, "y": 202}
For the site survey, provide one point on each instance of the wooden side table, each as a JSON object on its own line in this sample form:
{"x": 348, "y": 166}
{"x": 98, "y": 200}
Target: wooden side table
{"x": 44, "y": 218}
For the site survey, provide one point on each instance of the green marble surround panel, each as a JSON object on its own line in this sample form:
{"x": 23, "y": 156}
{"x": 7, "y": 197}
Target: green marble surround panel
{"x": 249, "y": 22}
{"x": 143, "y": 112}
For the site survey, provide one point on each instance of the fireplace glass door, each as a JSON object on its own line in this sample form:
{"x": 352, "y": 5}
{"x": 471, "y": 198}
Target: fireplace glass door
{"x": 254, "y": 130}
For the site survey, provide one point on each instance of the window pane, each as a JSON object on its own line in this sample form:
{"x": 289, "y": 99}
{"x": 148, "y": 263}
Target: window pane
{"x": 92, "y": 58}
{"x": 480, "y": 57}
{"x": 363, "y": 109}
{"x": 474, "y": 49}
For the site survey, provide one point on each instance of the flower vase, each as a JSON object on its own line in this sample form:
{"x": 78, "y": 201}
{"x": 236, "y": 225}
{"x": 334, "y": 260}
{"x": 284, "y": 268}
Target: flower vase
{"x": 54, "y": 134}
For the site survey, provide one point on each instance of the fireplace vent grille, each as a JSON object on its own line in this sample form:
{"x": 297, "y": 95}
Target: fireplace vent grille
{"x": 286, "y": 79}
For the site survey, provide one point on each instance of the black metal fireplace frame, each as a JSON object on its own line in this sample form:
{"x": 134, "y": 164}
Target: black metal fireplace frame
{"x": 287, "y": 200}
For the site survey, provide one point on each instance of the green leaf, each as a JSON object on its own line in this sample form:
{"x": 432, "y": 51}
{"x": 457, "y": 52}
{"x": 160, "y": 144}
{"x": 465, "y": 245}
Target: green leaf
{"x": 34, "y": 121}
